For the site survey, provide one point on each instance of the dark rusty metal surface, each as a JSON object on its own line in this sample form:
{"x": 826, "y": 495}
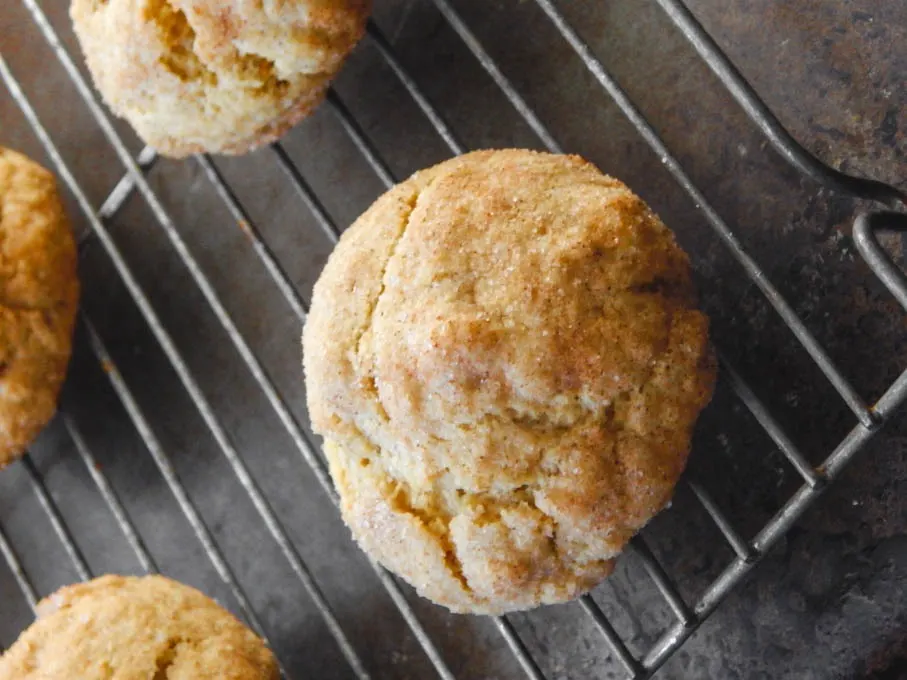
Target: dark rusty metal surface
{"x": 830, "y": 602}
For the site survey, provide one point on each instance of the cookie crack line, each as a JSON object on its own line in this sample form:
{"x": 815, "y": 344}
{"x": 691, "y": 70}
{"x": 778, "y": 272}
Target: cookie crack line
{"x": 182, "y": 31}
{"x": 370, "y": 315}
{"x": 404, "y": 503}
{"x": 401, "y": 500}
{"x": 555, "y": 525}
{"x": 165, "y": 659}
{"x": 207, "y": 75}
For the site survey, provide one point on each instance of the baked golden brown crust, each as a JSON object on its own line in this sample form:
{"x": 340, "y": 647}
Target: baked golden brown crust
{"x": 208, "y": 75}
{"x": 505, "y": 359}
{"x": 39, "y": 291}
{"x": 135, "y": 629}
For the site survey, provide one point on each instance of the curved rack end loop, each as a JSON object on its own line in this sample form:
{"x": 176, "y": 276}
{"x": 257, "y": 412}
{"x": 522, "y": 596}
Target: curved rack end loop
{"x": 865, "y": 231}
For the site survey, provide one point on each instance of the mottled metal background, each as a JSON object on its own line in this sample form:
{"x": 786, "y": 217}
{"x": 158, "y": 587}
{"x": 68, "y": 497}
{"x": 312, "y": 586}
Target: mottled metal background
{"x": 829, "y": 602}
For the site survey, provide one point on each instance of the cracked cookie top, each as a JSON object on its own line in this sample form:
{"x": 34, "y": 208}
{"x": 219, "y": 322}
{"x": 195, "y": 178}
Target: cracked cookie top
{"x": 134, "y": 629}
{"x": 197, "y": 76}
{"x": 39, "y": 291}
{"x": 505, "y": 359}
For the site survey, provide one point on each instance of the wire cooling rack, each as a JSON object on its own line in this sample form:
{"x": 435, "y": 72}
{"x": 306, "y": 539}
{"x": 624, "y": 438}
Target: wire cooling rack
{"x": 687, "y": 616}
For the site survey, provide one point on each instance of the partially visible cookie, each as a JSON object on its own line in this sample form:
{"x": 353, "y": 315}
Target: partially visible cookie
{"x": 131, "y": 628}
{"x": 39, "y": 293}
{"x": 206, "y": 75}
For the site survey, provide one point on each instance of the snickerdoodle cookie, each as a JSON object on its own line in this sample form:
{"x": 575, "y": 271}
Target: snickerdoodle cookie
{"x": 207, "y": 75}
{"x": 505, "y": 359}
{"x": 39, "y": 292}
{"x": 134, "y": 629}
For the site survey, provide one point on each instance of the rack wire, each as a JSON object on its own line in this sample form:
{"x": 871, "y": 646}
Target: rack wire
{"x": 688, "y": 616}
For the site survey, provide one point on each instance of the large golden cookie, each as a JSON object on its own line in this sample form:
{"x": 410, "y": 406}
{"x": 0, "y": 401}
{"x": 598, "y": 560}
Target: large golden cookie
{"x": 39, "y": 293}
{"x": 207, "y": 75}
{"x": 136, "y": 629}
{"x": 505, "y": 359}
